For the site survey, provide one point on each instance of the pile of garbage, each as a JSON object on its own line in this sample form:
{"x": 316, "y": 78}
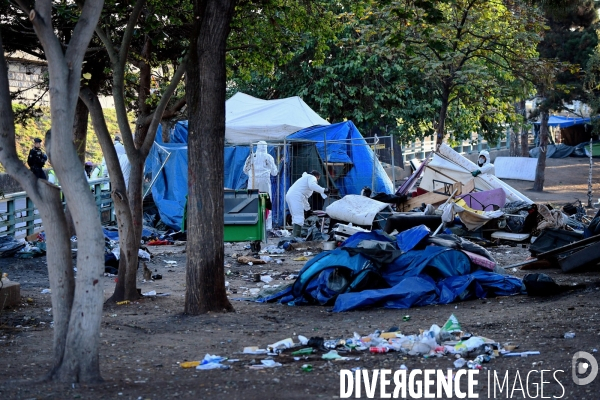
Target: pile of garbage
{"x": 449, "y": 340}
{"x": 21, "y": 248}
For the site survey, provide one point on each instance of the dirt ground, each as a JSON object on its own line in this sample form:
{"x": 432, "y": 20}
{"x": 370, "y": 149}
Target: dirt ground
{"x": 143, "y": 344}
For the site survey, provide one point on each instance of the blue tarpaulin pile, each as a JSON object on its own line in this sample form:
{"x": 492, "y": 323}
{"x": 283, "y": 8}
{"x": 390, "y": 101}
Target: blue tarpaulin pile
{"x": 410, "y": 275}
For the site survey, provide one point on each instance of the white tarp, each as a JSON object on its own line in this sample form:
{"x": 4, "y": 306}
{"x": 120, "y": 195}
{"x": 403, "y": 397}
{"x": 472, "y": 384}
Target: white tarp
{"x": 248, "y": 119}
{"x": 522, "y": 168}
{"x": 449, "y": 166}
{"x": 359, "y": 210}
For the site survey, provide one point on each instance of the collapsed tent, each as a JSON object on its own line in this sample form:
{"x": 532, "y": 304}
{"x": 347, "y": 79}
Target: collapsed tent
{"x": 448, "y": 167}
{"x": 345, "y": 159}
{"x": 354, "y": 277}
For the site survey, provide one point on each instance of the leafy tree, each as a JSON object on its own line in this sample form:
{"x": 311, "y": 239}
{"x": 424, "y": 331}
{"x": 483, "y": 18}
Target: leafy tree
{"x": 568, "y": 44}
{"x": 273, "y": 27}
{"x": 466, "y": 51}
{"x": 136, "y": 36}
{"x": 76, "y": 305}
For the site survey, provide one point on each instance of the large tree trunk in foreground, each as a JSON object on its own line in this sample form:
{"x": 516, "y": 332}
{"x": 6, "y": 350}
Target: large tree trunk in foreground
{"x": 76, "y": 341}
{"x": 538, "y": 184}
{"x": 205, "y": 278}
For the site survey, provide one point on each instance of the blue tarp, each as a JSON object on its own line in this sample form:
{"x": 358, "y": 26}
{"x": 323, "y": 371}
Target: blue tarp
{"x": 431, "y": 275}
{"x": 345, "y": 144}
{"x": 170, "y": 188}
{"x": 565, "y": 122}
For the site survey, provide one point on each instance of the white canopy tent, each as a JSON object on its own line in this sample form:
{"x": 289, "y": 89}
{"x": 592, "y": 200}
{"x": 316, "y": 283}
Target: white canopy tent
{"x": 248, "y": 119}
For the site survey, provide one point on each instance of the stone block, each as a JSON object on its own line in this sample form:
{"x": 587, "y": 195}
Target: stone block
{"x": 10, "y": 294}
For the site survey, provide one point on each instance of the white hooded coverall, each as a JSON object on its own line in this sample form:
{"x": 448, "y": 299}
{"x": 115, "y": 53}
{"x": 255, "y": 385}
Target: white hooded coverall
{"x": 298, "y": 194}
{"x": 486, "y": 167}
{"x": 259, "y": 167}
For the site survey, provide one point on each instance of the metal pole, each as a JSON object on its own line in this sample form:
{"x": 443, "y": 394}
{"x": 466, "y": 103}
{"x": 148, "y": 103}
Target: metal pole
{"x": 285, "y": 162}
{"x": 374, "y": 159}
{"x": 393, "y": 165}
{"x": 326, "y": 161}
{"x": 278, "y": 180}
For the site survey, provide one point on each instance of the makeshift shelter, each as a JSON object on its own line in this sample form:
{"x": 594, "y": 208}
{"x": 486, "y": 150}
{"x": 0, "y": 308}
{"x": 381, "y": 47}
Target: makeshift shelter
{"x": 573, "y": 131}
{"x": 345, "y": 159}
{"x": 248, "y": 119}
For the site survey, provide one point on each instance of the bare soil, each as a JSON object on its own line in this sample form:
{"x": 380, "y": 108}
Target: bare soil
{"x": 143, "y": 343}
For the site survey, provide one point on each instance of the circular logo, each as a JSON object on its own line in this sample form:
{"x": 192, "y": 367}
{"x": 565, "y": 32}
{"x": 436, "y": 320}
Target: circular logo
{"x": 590, "y": 365}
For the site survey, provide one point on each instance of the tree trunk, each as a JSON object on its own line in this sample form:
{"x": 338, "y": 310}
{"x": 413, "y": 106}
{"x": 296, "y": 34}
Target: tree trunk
{"x": 205, "y": 277}
{"x": 524, "y": 133}
{"x": 80, "y": 129}
{"x": 124, "y": 289}
{"x": 77, "y": 339}
{"x": 442, "y": 117}
{"x": 515, "y": 148}
{"x": 538, "y": 184}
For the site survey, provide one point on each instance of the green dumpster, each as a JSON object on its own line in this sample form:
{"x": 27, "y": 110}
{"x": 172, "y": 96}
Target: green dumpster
{"x": 244, "y": 215}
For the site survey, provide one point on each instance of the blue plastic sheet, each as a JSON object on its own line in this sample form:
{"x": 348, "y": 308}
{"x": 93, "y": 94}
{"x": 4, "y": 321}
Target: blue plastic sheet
{"x": 433, "y": 275}
{"x": 346, "y": 144}
{"x": 410, "y": 238}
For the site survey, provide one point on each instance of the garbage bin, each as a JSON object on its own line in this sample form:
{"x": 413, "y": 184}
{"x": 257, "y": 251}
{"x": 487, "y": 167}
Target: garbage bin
{"x": 244, "y": 216}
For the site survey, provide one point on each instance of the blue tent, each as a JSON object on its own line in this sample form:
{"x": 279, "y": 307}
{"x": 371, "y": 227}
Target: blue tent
{"x": 565, "y": 122}
{"x": 343, "y": 141}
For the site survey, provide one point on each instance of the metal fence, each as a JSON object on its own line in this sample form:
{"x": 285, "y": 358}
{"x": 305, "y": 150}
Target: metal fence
{"x": 420, "y": 148}
{"x": 19, "y": 216}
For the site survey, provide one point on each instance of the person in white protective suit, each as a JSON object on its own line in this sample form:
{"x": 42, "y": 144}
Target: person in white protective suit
{"x": 259, "y": 167}
{"x": 484, "y": 164}
{"x": 297, "y": 198}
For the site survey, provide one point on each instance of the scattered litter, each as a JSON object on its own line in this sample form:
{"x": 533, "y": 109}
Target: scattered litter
{"x": 303, "y": 340}
{"x": 307, "y": 368}
{"x": 250, "y": 260}
{"x": 122, "y": 303}
{"x": 522, "y": 354}
{"x": 170, "y": 262}
{"x": 254, "y": 350}
{"x": 303, "y": 352}
{"x": 46, "y": 291}
{"x": 266, "y": 364}
{"x": 189, "y": 364}
{"x": 302, "y": 258}
{"x": 281, "y": 345}
{"x": 307, "y": 253}
{"x": 212, "y": 362}
{"x": 266, "y": 278}
{"x": 332, "y": 355}
{"x": 569, "y": 335}
{"x": 144, "y": 255}
{"x": 150, "y": 293}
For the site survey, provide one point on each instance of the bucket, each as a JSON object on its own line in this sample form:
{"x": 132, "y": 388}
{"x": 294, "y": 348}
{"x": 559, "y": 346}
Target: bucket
{"x": 328, "y": 245}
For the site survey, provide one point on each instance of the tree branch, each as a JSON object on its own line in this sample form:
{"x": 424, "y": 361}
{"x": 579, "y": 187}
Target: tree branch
{"x": 162, "y": 105}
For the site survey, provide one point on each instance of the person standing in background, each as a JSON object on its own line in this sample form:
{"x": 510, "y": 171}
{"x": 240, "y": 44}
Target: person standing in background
{"x": 37, "y": 159}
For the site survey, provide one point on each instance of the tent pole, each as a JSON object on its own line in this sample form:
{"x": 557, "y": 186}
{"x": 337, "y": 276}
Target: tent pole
{"x": 278, "y": 179}
{"x": 393, "y": 164}
{"x": 285, "y": 162}
{"x": 325, "y": 161}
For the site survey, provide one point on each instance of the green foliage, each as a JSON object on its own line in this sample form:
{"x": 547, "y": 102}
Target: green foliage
{"x": 572, "y": 40}
{"x": 37, "y": 127}
{"x": 469, "y": 55}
